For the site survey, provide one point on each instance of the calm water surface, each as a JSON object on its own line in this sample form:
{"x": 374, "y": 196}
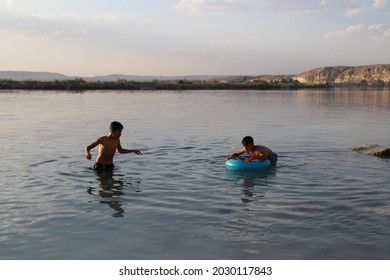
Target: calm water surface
{"x": 177, "y": 201}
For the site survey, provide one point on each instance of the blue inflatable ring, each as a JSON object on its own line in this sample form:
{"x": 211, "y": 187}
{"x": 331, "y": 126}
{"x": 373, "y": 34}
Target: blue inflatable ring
{"x": 241, "y": 165}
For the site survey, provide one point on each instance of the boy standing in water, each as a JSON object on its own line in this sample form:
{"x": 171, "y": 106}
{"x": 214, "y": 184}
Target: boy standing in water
{"x": 255, "y": 151}
{"x": 107, "y": 148}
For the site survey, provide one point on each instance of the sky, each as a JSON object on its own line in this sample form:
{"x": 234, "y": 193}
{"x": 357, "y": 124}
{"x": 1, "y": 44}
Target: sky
{"x": 191, "y": 37}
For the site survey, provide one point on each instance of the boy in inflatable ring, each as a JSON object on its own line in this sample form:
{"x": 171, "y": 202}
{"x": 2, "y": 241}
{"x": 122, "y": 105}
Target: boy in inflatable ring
{"x": 107, "y": 148}
{"x": 255, "y": 151}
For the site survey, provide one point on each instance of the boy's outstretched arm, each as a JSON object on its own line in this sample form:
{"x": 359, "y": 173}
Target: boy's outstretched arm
{"x": 236, "y": 154}
{"x": 126, "y": 151}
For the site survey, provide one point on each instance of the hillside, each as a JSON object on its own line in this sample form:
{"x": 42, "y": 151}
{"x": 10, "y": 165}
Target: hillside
{"x": 27, "y": 75}
{"x": 346, "y": 75}
{"x": 48, "y": 76}
{"x": 377, "y": 74}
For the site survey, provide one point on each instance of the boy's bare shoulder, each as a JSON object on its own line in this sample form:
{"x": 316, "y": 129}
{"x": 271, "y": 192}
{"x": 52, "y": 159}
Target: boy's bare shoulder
{"x": 106, "y": 140}
{"x": 100, "y": 139}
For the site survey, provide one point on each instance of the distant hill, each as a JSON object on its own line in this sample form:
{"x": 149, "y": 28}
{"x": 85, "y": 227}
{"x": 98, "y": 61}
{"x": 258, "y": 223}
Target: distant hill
{"x": 320, "y": 75}
{"x": 333, "y": 75}
{"x": 26, "y": 75}
{"x": 47, "y": 76}
{"x": 346, "y": 74}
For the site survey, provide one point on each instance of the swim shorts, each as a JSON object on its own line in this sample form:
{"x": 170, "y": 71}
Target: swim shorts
{"x": 273, "y": 158}
{"x": 99, "y": 167}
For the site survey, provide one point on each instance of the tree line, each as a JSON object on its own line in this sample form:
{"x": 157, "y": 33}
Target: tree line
{"x": 80, "y": 84}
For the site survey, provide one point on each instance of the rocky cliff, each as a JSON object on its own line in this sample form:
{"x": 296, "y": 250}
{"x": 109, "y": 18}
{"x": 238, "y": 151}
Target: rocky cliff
{"x": 372, "y": 74}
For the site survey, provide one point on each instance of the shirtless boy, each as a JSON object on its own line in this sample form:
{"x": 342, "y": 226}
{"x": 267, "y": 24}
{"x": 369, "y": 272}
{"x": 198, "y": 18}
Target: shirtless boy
{"x": 107, "y": 148}
{"x": 255, "y": 151}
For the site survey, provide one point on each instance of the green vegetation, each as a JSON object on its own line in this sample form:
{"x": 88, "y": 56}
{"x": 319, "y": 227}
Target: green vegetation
{"x": 80, "y": 84}
{"x": 364, "y": 84}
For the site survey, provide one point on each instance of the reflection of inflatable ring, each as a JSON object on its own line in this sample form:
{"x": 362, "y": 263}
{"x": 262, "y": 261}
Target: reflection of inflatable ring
{"x": 241, "y": 165}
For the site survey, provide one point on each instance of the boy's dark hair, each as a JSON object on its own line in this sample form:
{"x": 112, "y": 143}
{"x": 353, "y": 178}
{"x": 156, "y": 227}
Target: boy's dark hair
{"x": 115, "y": 126}
{"x": 247, "y": 140}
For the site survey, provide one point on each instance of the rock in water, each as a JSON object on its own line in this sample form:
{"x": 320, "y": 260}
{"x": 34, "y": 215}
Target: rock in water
{"x": 374, "y": 150}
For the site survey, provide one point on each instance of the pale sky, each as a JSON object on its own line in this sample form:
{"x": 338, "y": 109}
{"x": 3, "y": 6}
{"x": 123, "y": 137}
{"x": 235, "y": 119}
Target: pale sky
{"x": 191, "y": 37}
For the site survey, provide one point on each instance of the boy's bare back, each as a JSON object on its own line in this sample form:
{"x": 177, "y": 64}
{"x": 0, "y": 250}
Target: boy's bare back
{"x": 261, "y": 151}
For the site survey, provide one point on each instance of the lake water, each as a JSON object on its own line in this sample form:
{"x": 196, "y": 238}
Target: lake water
{"x": 177, "y": 200}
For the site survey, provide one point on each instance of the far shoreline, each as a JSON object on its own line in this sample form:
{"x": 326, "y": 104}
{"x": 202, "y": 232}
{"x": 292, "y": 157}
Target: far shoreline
{"x": 81, "y": 85}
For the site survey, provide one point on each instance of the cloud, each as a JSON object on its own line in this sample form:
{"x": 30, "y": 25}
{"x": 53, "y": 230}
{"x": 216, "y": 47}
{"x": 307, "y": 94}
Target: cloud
{"x": 69, "y": 25}
{"x": 298, "y": 13}
{"x": 355, "y": 11}
{"x": 216, "y": 6}
{"x": 282, "y": 7}
{"x": 386, "y": 33}
{"x": 245, "y": 6}
{"x": 376, "y": 30}
{"x": 346, "y": 32}
{"x": 9, "y": 2}
{"x": 383, "y": 36}
{"x": 374, "y": 27}
{"x": 377, "y": 4}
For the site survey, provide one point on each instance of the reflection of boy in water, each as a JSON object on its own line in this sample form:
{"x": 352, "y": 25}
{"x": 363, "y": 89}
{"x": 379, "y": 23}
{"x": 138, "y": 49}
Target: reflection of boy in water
{"x": 255, "y": 151}
{"x": 110, "y": 190}
{"x": 107, "y": 148}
